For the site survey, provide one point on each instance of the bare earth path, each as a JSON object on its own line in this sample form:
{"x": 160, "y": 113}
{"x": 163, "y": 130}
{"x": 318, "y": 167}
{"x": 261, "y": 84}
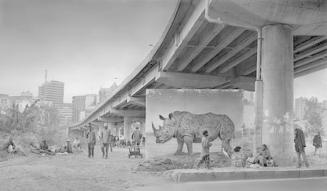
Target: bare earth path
{"x": 75, "y": 172}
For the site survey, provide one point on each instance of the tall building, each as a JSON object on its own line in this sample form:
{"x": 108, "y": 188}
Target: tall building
{"x": 4, "y": 102}
{"x": 52, "y": 91}
{"x": 65, "y": 112}
{"x": 300, "y": 107}
{"x": 324, "y": 104}
{"x": 83, "y": 105}
{"x": 105, "y": 93}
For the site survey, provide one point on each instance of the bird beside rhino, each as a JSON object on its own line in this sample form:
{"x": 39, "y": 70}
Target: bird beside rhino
{"x": 187, "y": 128}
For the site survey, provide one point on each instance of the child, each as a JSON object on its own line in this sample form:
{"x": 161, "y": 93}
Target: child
{"x": 205, "y": 150}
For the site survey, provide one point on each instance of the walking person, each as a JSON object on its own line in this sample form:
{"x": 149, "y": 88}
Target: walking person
{"x": 137, "y": 136}
{"x": 205, "y": 158}
{"x": 91, "y": 139}
{"x": 105, "y": 139}
{"x": 317, "y": 143}
{"x": 111, "y": 141}
{"x": 299, "y": 141}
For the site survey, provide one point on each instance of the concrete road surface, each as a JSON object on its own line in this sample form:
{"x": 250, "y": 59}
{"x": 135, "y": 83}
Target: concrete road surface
{"x": 305, "y": 184}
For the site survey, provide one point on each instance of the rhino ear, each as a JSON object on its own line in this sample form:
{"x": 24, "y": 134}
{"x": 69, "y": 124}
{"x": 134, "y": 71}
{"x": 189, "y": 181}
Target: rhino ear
{"x": 154, "y": 130}
{"x": 170, "y": 116}
{"x": 162, "y": 117}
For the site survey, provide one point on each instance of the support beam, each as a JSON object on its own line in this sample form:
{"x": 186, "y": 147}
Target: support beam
{"x": 112, "y": 119}
{"x": 311, "y": 65}
{"x": 225, "y": 42}
{"x": 128, "y": 113}
{"x": 311, "y": 70}
{"x": 309, "y": 43}
{"x": 216, "y": 62}
{"x": 238, "y": 60}
{"x": 223, "y": 86}
{"x": 244, "y": 82}
{"x": 139, "y": 101}
{"x": 305, "y": 61}
{"x": 249, "y": 70}
{"x": 206, "y": 38}
{"x": 120, "y": 104}
{"x": 310, "y": 51}
{"x": 187, "y": 32}
{"x": 188, "y": 80}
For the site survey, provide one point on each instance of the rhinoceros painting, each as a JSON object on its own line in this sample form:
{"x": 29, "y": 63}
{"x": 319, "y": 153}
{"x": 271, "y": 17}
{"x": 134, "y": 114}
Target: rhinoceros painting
{"x": 187, "y": 128}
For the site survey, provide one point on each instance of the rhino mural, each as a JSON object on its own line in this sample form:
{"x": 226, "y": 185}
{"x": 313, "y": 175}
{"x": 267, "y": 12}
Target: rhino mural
{"x": 187, "y": 128}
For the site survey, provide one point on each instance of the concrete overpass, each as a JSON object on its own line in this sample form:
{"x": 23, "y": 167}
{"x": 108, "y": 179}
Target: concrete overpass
{"x": 256, "y": 45}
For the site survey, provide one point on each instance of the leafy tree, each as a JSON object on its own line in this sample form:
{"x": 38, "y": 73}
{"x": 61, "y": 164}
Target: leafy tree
{"x": 313, "y": 115}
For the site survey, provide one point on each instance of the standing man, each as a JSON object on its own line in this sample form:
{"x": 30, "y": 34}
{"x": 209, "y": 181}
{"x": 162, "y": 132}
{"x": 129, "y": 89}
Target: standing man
{"x": 317, "y": 143}
{"x": 299, "y": 141}
{"x": 137, "y": 136}
{"x": 205, "y": 158}
{"x": 105, "y": 138}
{"x": 91, "y": 140}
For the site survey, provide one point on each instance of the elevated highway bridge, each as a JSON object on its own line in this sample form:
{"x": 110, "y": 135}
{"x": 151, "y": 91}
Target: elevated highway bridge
{"x": 256, "y": 45}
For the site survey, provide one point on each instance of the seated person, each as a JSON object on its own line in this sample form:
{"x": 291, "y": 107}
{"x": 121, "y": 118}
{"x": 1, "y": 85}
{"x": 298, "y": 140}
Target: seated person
{"x": 77, "y": 143}
{"x": 44, "y": 145}
{"x": 10, "y": 146}
{"x": 263, "y": 156}
{"x": 238, "y": 157}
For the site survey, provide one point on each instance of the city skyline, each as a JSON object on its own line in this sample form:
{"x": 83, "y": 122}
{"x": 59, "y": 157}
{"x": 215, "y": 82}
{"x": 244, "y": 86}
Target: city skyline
{"x": 86, "y": 44}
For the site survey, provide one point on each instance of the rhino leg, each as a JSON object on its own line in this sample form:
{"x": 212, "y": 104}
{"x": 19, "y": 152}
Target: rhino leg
{"x": 188, "y": 140}
{"x": 180, "y": 144}
{"x": 226, "y": 146}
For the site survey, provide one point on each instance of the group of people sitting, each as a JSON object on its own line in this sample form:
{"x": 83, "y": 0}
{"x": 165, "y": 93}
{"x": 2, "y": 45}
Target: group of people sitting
{"x": 262, "y": 158}
{"x": 11, "y": 147}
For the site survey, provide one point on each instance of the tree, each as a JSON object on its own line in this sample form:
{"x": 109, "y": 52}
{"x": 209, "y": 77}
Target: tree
{"x": 313, "y": 115}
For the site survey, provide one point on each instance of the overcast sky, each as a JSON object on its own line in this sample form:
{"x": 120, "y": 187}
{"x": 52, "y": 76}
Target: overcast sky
{"x": 88, "y": 43}
{"x": 84, "y": 43}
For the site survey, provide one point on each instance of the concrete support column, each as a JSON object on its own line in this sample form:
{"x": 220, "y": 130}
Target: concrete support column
{"x": 258, "y": 95}
{"x": 277, "y": 75}
{"x": 127, "y": 128}
{"x": 117, "y": 131}
{"x": 258, "y": 113}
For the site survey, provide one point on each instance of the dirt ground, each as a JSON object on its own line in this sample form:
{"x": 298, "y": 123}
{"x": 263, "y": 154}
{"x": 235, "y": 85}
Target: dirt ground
{"x": 75, "y": 172}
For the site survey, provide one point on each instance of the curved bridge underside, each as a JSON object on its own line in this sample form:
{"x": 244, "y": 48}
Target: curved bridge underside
{"x": 197, "y": 52}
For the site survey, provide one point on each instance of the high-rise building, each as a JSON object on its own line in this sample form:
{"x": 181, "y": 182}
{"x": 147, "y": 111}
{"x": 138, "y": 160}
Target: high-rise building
{"x": 82, "y": 105}
{"x": 300, "y": 107}
{"x": 52, "y": 91}
{"x": 105, "y": 93}
{"x": 65, "y": 112}
{"x": 4, "y": 102}
{"x": 324, "y": 104}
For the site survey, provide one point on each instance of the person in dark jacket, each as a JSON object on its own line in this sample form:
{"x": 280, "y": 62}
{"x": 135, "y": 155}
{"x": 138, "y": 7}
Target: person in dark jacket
{"x": 317, "y": 143}
{"x": 299, "y": 141}
{"x": 137, "y": 137}
{"x": 91, "y": 139}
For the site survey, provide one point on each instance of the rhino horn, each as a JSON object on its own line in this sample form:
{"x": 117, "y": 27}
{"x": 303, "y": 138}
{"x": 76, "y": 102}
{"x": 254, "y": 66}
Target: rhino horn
{"x": 162, "y": 117}
{"x": 154, "y": 129}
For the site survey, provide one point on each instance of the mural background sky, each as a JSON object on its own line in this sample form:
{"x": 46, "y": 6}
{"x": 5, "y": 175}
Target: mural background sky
{"x": 88, "y": 43}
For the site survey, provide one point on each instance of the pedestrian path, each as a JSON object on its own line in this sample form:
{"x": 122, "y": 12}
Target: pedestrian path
{"x": 219, "y": 174}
